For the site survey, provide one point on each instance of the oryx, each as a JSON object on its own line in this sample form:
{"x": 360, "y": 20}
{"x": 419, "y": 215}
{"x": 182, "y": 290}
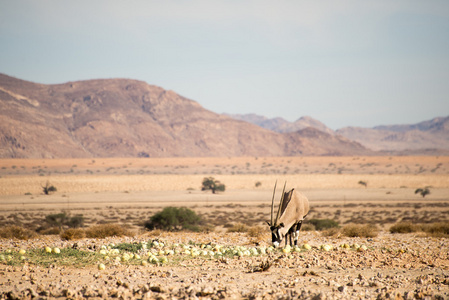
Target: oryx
{"x": 293, "y": 208}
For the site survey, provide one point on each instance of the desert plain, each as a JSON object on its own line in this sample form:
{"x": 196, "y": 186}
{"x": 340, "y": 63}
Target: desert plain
{"x": 128, "y": 191}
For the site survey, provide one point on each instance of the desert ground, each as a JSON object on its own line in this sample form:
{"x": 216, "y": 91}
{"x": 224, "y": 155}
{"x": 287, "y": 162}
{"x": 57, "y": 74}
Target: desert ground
{"x": 128, "y": 191}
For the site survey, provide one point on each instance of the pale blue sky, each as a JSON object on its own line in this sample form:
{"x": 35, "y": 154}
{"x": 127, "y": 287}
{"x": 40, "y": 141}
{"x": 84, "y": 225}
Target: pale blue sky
{"x": 345, "y": 63}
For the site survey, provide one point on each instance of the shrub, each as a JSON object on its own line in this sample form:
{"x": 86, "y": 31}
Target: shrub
{"x": 73, "y": 234}
{"x": 238, "y": 227}
{"x": 60, "y": 220}
{"x": 334, "y": 231}
{"x": 56, "y": 220}
{"x": 17, "y": 232}
{"x": 437, "y": 229}
{"x": 257, "y": 231}
{"x": 308, "y": 227}
{"x": 321, "y": 224}
{"x": 106, "y": 230}
{"x": 404, "y": 227}
{"x": 175, "y": 219}
{"x": 49, "y": 231}
{"x": 440, "y": 229}
{"x": 75, "y": 221}
{"x": 367, "y": 230}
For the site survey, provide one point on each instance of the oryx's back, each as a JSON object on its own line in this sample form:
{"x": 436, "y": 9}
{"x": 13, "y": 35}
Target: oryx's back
{"x": 299, "y": 204}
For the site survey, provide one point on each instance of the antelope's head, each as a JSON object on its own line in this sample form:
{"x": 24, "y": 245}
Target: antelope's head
{"x": 276, "y": 236}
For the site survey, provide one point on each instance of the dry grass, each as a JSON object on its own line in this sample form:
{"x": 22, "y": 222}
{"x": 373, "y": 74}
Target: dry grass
{"x": 182, "y": 174}
{"x": 17, "y": 232}
{"x": 73, "y": 234}
{"x": 439, "y": 229}
{"x": 404, "y": 227}
{"x": 354, "y": 230}
{"x": 134, "y": 183}
{"x": 238, "y": 227}
{"x": 331, "y": 232}
{"x": 106, "y": 230}
{"x": 257, "y": 231}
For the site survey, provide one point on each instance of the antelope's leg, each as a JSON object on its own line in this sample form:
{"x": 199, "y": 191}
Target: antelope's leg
{"x": 290, "y": 236}
{"x": 296, "y": 232}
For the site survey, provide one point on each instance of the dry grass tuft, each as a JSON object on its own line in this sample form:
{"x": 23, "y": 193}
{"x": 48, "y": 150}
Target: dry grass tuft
{"x": 256, "y": 231}
{"x": 50, "y": 231}
{"x": 106, "y": 230}
{"x": 238, "y": 227}
{"x": 73, "y": 234}
{"x": 17, "y": 232}
{"x": 440, "y": 229}
{"x": 354, "y": 230}
{"x": 404, "y": 227}
{"x": 334, "y": 231}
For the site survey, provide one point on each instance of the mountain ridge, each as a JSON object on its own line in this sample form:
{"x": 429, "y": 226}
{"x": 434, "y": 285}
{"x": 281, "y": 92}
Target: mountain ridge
{"x": 430, "y": 136}
{"x": 129, "y": 118}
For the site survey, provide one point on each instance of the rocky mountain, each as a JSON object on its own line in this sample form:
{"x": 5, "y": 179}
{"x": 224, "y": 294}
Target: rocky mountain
{"x": 415, "y": 138}
{"x": 281, "y": 125}
{"x": 425, "y": 138}
{"x": 130, "y": 118}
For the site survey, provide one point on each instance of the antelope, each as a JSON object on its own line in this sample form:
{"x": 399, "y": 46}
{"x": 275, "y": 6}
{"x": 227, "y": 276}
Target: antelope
{"x": 293, "y": 208}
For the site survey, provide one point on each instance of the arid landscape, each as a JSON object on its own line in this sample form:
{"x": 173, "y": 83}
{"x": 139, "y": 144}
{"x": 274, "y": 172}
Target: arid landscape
{"x": 362, "y": 190}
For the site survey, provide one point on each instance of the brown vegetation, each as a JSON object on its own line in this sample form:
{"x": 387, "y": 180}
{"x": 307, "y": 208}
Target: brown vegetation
{"x": 17, "y": 232}
{"x": 105, "y": 230}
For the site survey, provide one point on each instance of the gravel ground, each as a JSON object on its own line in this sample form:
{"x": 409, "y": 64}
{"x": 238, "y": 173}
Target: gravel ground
{"x": 401, "y": 266}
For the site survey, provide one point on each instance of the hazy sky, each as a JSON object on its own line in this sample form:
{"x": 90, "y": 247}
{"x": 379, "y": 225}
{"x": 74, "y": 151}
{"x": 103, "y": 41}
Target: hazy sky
{"x": 345, "y": 63}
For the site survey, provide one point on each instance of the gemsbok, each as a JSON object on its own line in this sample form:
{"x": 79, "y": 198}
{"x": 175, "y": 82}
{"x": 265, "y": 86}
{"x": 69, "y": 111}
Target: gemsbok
{"x": 293, "y": 208}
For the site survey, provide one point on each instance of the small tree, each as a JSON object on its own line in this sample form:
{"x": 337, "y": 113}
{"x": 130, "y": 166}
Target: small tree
{"x": 209, "y": 183}
{"x": 47, "y": 189}
{"x": 361, "y": 182}
{"x": 423, "y": 191}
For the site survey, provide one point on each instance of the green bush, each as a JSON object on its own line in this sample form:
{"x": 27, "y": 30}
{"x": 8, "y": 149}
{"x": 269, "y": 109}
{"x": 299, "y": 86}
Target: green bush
{"x": 175, "y": 219}
{"x": 322, "y": 224}
{"x": 61, "y": 220}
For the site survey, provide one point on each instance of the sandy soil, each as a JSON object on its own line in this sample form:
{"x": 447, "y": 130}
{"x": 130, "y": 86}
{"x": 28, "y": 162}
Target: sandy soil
{"x": 394, "y": 266}
{"x": 129, "y": 191}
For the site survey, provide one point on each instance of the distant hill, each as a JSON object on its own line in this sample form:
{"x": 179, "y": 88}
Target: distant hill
{"x": 425, "y": 138}
{"x": 416, "y": 138}
{"x": 130, "y": 118}
{"x": 281, "y": 125}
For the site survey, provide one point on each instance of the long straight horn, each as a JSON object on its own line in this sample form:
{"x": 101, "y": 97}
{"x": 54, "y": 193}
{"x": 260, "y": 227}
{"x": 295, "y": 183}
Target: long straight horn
{"x": 280, "y": 204}
{"x": 272, "y": 202}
